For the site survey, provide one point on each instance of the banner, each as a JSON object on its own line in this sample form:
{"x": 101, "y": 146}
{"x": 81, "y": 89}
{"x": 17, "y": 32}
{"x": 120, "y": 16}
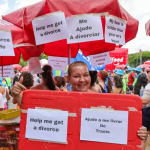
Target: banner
{"x": 7, "y": 71}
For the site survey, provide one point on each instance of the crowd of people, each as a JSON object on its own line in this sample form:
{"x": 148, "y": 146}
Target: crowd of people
{"x": 80, "y": 79}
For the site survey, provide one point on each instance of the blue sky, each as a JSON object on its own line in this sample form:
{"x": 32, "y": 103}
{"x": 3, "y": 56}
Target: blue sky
{"x": 139, "y": 9}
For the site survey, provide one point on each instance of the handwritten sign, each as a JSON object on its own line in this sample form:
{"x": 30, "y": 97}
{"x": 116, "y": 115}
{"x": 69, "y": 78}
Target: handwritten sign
{"x": 103, "y": 126}
{"x": 47, "y": 125}
{"x": 84, "y": 28}
{"x": 115, "y": 30}
{"x": 100, "y": 59}
{"x": 7, "y": 71}
{"x": 50, "y": 28}
{"x": 34, "y": 65}
{"x": 6, "y": 46}
{"x": 58, "y": 63}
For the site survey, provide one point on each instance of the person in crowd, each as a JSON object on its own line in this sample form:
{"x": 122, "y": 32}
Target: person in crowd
{"x": 5, "y": 93}
{"x": 120, "y": 73}
{"x": 137, "y": 72}
{"x": 15, "y": 77}
{"x": 131, "y": 79}
{"x": 68, "y": 85}
{"x": 1, "y": 102}
{"x": 146, "y": 104}
{"x": 141, "y": 81}
{"x": 39, "y": 78}
{"x": 117, "y": 85}
{"x": 60, "y": 83}
{"x": 80, "y": 80}
{"x": 27, "y": 82}
{"x": 93, "y": 75}
{"x": 104, "y": 82}
{"x": 47, "y": 83}
{"x": 125, "y": 76}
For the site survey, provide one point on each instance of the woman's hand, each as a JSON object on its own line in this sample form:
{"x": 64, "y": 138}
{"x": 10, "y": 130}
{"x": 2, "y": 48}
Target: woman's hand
{"x": 142, "y": 133}
{"x": 18, "y": 87}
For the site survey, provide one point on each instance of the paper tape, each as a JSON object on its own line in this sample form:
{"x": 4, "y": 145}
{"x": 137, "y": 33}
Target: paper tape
{"x": 132, "y": 109}
{"x": 5, "y": 31}
{"x": 23, "y": 44}
{"x": 102, "y": 14}
{"x": 115, "y": 17}
{"x": 103, "y": 108}
{"x": 43, "y": 16}
{"x": 49, "y": 109}
{"x": 48, "y": 141}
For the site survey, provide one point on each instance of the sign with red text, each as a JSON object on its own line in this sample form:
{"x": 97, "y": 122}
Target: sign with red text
{"x": 6, "y": 45}
{"x": 104, "y": 126}
{"x": 100, "y": 59}
{"x": 58, "y": 63}
{"x": 49, "y": 28}
{"x": 47, "y": 125}
{"x": 83, "y": 28}
{"x": 115, "y": 30}
{"x": 7, "y": 71}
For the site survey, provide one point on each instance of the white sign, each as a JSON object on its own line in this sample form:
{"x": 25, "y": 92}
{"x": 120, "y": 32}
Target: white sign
{"x": 103, "y": 126}
{"x": 50, "y": 28}
{"x": 34, "y": 65}
{"x": 115, "y": 30}
{"x": 6, "y": 46}
{"x": 47, "y": 125}
{"x": 84, "y": 28}
{"x": 100, "y": 59}
{"x": 58, "y": 63}
{"x": 7, "y": 71}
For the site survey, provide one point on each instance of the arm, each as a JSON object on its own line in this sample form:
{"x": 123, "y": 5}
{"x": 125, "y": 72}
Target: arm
{"x": 7, "y": 94}
{"x": 145, "y": 101}
{"x": 146, "y": 96}
{"x": 16, "y": 91}
{"x": 142, "y": 133}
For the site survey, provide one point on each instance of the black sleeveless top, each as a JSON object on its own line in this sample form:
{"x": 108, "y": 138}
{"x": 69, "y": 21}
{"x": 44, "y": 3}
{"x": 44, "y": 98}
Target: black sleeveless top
{"x": 103, "y": 90}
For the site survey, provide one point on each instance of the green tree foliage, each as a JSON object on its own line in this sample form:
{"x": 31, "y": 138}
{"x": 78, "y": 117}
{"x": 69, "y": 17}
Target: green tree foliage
{"x": 134, "y": 59}
{"x": 25, "y": 63}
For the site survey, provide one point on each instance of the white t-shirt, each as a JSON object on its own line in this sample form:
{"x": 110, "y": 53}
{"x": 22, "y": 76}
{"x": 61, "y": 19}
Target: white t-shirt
{"x": 1, "y": 101}
{"x": 146, "y": 93}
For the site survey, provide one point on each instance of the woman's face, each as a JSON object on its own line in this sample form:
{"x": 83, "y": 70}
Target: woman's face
{"x": 80, "y": 78}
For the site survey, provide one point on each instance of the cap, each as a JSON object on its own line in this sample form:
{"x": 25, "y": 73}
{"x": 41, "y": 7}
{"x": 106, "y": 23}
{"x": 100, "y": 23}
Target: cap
{"x": 130, "y": 69}
{"x": 119, "y": 72}
{"x": 138, "y": 69}
{"x": 1, "y": 81}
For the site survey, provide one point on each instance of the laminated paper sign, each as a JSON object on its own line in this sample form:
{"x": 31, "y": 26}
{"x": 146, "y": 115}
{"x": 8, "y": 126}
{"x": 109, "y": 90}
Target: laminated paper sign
{"x": 58, "y": 63}
{"x": 104, "y": 126}
{"x": 47, "y": 125}
{"x": 7, "y": 71}
{"x": 84, "y": 28}
{"x": 50, "y": 28}
{"x": 115, "y": 30}
{"x": 100, "y": 59}
{"x": 6, "y": 46}
{"x": 34, "y": 65}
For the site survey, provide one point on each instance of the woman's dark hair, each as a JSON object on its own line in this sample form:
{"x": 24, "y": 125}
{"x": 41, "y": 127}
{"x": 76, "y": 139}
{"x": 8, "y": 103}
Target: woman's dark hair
{"x": 60, "y": 81}
{"x": 93, "y": 75}
{"x": 109, "y": 83}
{"x": 47, "y": 75}
{"x": 27, "y": 79}
{"x": 118, "y": 81}
{"x": 141, "y": 81}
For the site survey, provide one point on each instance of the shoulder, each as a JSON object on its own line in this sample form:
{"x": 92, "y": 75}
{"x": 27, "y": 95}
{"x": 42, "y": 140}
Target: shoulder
{"x": 147, "y": 86}
{"x": 37, "y": 87}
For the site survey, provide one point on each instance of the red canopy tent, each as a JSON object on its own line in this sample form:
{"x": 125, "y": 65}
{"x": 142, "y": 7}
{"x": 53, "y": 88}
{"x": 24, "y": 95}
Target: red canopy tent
{"x": 147, "y": 62}
{"x": 21, "y": 46}
{"x": 26, "y": 68}
{"x": 24, "y": 16}
{"x": 144, "y": 65}
{"x": 16, "y": 66}
{"x": 147, "y": 28}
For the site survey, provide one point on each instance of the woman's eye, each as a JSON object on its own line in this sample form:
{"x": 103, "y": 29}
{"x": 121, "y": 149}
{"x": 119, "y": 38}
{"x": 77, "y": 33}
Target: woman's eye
{"x": 76, "y": 76}
{"x": 86, "y": 75}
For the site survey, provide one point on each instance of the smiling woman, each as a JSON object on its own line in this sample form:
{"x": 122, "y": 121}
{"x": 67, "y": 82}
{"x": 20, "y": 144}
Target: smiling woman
{"x": 79, "y": 76}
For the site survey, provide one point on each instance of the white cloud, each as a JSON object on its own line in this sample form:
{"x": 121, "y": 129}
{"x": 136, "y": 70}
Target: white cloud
{"x": 139, "y": 9}
{"x": 3, "y": 8}
{"x": 23, "y": 3}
